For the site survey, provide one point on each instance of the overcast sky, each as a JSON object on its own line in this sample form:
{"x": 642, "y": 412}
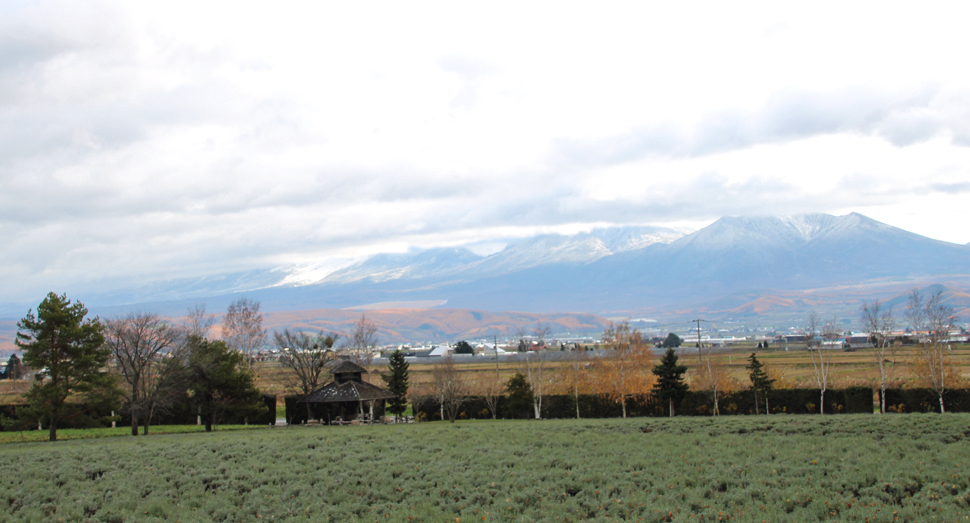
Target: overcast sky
{"x": 152, "y": 140}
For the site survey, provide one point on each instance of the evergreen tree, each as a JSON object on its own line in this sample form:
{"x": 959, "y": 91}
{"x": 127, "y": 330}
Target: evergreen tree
{"x": 70, "y": 353}
{"x": 219, "y": 379}
{"x": 672, "y": 341}
{"x": 463, "y": 347}
{"x": 520, "y": 396}
{"x": 760, "y": 382}
{"x": 670, "y": 384}
{"x": 397, "y": 382}
{"x": 15, "y": 369}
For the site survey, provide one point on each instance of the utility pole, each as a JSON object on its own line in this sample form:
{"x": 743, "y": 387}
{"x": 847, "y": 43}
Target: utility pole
{"x": 495, "y": 346}
{"x": 698, "y": 321}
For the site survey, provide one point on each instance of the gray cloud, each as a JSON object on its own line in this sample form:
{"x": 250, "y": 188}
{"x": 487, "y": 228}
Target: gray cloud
{"x": 903, "y": 119}
{"x": 951, "y": 188}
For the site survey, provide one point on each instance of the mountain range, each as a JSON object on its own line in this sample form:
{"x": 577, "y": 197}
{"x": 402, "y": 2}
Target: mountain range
{"x": 736, "y": 267}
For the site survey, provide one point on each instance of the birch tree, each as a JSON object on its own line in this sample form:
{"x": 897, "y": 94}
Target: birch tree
{"x": 198, "y": 322}
{"x": 934, "y": 365}
{"x": 362, "y": 341}
{"x": 712, "y": 377}
{"x": 879, "y": 323}
{"x": 449, "y": 386}
{"x": 242, "y": 329}
{"x": 574, "y": 375}
{"x": 626, "y": 370}
{"x": 532, "y": 366}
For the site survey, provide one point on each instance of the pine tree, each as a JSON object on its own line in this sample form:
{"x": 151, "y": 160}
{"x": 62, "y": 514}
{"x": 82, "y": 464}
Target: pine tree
{"x": 70, "y": 352}
{"x": 760, "y": 382}
{"x": 397, "y": 382}
{"x": 670, "y": 384}
{"x": 520, "y": 396}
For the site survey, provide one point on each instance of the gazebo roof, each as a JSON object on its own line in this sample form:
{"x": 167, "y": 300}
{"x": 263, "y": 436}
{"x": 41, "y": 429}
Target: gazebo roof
{"x": 334, "y": 392}
{"x": 347, "y": 366}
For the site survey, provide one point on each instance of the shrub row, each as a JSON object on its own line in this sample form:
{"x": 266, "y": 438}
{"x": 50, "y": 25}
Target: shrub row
{"x": 91, "y": 416}
{"x": 852, "y": 400}
{"x": 926, "y": 400}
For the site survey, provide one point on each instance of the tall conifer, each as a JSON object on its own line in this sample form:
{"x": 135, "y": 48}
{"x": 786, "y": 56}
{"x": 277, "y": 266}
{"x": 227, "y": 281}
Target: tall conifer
{"x": 397, "y": 382}
{"x": 670, "y": 386}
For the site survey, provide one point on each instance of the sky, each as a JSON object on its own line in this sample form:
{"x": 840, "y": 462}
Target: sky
{"x": 145, "y": 141}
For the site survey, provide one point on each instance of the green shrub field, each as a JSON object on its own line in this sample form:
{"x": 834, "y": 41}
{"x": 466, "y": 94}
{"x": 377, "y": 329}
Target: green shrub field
{"x": 875, "y": 468}
{"x": 67, "y": 434}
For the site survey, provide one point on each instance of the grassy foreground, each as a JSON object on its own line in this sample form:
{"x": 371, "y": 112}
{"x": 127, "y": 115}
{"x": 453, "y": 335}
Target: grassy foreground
{"x": 778, "y": 468}
{"x": 69, "y": 434}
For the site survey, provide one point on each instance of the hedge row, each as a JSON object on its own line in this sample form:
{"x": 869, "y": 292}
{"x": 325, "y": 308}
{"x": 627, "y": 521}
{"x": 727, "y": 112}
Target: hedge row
{"x": 92, "y": 416}
{"x": 852, "y": 400}
{"x": 926, "y": 400}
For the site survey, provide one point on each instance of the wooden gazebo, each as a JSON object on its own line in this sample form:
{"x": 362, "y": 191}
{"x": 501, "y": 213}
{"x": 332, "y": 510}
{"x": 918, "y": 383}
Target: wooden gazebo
{"x": 345, "y": 397}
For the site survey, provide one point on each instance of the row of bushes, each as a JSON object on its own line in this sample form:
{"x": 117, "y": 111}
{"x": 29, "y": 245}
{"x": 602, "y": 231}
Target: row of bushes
{"x": 92, "y": 416}
{"x": 926, "y": 400}
{"x": 696, "y": 403}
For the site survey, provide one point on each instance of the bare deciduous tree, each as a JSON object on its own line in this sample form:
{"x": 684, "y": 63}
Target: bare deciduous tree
{"x": 879, "y": 323}
{"x": 362, "y": 341}
{"x": 490, "y": 389}
{"x": 712, "y": 376}
{"x": 139, "y": 343}
{"x": 934, "y": 356}
{"x": 625, "y": 372}
{"x": 574, "y": 376}
{"x": 811, "y": 330}
{"x": 306, "y": 356}
{"x": 198, "y": 323}
{"x": 540, "y": 332}
{"x": 823, "y": 365}
{"x": 532, "y": 366}
{"x": 916, "y": 314}
{"x": 242, "y": 329}
{"x": 449, "y": 386}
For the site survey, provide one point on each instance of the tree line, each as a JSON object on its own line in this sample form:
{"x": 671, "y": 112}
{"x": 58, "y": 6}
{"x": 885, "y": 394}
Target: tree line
{"x": 627, "y": 370}
{"x": 139, "y": 360}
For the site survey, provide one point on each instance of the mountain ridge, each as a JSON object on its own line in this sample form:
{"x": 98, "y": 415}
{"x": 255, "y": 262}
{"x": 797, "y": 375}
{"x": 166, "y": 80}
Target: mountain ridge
{"x": 602, "y": 270}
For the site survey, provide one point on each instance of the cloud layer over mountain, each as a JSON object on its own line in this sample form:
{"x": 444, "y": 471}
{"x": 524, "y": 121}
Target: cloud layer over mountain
{"x": 142, "y": 143}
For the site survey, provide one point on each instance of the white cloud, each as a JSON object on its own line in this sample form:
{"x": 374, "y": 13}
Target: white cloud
{"x": 142, "y": 141}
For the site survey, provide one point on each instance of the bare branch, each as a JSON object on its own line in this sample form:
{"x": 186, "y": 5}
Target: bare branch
{"x": 243, "y": 329}
{"x": 306, "y": 356}
{"x": 449, "y": 386}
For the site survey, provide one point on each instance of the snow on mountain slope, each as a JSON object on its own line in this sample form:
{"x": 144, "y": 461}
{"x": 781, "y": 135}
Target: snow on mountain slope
{"x": 412, "y": 264}
{"x": 462, "y": 264}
